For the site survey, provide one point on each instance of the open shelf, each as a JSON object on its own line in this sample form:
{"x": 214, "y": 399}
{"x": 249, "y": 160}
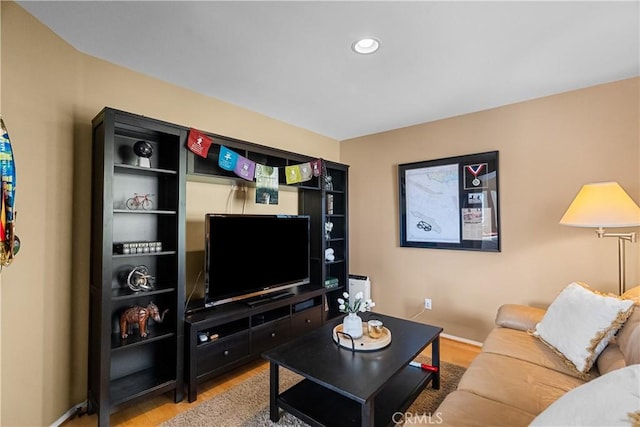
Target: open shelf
{"x": 126, "y": 293}
{"x": 141, "y": 384}
{"x": 142, "y": 211}
{"x": 143, "y": 170}
{"x": 317, "y": 404}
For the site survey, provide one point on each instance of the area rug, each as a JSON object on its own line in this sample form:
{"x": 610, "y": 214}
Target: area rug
{"x": 247, "y": 404}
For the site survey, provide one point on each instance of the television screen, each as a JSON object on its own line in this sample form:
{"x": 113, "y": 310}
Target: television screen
{"x": 252, "y": 255}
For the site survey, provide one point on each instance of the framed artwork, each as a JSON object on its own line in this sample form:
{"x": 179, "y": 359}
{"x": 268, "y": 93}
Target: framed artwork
{"x": 451, "y": 203}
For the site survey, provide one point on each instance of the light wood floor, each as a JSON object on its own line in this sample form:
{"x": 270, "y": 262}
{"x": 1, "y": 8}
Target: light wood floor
{"x": 162, "y": 408}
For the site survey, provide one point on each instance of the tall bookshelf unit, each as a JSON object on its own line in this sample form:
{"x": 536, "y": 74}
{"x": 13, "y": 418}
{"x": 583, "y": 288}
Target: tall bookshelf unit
{"x": 329, "y": 205}
{"x": 123, "y": 370}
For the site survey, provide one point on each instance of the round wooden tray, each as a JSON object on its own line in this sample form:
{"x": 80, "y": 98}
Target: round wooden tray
{"x": 365, "y": 342}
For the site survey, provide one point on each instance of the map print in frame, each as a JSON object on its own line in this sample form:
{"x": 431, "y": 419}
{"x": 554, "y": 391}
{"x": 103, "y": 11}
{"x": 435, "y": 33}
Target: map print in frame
{"x": 450, "y": 203}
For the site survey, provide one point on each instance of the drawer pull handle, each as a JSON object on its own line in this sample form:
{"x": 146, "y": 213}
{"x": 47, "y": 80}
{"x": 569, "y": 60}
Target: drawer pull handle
{"x": 308, "y": 320}
{"x": 273, "y": 334}
{"x": 226, "y": 353}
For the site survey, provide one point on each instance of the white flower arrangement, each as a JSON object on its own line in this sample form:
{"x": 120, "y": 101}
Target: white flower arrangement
{"x": 358, "y": 303}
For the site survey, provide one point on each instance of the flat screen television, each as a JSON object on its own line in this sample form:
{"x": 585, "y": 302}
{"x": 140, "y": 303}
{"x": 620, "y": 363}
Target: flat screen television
{"x": 253, "y": 257}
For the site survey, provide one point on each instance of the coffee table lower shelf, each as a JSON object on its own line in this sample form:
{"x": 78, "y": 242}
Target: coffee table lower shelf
{"x": 321, "y": 406}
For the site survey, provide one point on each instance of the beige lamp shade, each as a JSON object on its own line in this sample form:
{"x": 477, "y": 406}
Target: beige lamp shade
{"x": 602, "y": 204}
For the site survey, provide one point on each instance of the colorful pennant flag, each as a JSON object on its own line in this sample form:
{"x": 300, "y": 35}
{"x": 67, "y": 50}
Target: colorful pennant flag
{"x": 245, "y": 168}
{"x": 292, "y": 174}
{"x": 316, "y": 166}
{"x": 227, "y": 159}
{"x": 266, "y": 185}
{"x": 199, "y": 143}
{"x": 306, "y": 172}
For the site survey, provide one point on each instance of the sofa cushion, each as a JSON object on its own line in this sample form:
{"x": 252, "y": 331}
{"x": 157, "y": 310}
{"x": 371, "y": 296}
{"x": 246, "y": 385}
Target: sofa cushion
{"x": 628, "y": 337}
{"x": 633, "y": 294}
{"x": 579, "y": 324}
{"x": 610, "y": 359}
{"x": 520, "y": 317}
{"x": 521, "y": 345}
{"x": 514, "y": 382}
{"x": 462, "y": 408}
{"x": 610, "y": 400}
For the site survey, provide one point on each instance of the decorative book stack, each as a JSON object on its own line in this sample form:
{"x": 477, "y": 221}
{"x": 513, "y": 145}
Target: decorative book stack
{"x": 331, "y": 282}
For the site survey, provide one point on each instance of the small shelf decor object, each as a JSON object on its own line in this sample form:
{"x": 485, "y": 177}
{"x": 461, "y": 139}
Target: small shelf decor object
{"x": 352, "y": 323}
{"x": 450, "y": 203}
{"x": 328, "y": 227}
{"x": 143, "y": 150}
{"x": 137, "y": 315}
{"x": 140, "y": 201}
{"x": 139, "y": 279}
{"x": 126, "y": 248}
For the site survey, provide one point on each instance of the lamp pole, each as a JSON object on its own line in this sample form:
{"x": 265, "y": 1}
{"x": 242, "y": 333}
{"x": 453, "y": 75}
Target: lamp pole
{"x": 622, "y": 238}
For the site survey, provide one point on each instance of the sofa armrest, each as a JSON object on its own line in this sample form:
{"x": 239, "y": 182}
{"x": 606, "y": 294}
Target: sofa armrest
{"x": 519, "y": 317}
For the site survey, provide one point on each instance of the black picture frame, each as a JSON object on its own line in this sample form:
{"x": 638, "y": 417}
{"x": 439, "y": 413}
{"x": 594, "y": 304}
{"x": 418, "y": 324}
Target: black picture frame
{"x": 451, "y": 203}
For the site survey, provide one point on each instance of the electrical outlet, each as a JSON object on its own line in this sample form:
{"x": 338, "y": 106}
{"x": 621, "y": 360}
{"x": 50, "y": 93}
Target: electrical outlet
{"x": 427, "y": 303}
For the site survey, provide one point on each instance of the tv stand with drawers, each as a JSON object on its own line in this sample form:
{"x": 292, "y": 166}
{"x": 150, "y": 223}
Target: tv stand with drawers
{"x": 229, "y": 335}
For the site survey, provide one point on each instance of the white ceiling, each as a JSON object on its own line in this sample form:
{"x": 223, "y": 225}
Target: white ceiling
{"x": 293, "y": 60}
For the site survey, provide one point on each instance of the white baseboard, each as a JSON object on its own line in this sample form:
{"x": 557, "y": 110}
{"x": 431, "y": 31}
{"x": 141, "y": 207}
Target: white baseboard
{"x": 67, "y": 415}
{"x": 459, "y": 339}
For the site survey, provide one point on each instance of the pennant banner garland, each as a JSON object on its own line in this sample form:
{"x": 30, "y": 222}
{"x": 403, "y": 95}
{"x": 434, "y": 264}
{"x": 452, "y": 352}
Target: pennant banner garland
{"x": 231, "y": 161}
{"x": 265, "y": 176}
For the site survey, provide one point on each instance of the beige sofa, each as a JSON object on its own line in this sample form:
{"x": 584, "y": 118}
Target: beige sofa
{"x": 516, "y": 376}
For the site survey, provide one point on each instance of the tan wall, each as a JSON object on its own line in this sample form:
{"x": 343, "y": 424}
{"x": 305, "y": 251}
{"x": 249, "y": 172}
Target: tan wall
{"x": 37, "y": 289}
{"x": 50, "y": 93}
{"x": 548, "y": 148}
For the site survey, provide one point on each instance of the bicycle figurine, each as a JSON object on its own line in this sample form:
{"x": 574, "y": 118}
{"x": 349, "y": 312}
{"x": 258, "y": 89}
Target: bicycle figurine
{"x": 140, "y": 201}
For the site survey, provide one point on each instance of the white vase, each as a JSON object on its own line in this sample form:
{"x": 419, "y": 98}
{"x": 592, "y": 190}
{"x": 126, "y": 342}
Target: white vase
{"x": 352, "y": 325}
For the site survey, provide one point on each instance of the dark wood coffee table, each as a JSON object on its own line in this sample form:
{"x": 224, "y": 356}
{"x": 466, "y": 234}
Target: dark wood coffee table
{"x": 346, "y": 388}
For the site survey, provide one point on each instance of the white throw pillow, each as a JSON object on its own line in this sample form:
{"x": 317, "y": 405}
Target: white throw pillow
{"x": 579, "y": 324}
{"x": 610, "y": 400}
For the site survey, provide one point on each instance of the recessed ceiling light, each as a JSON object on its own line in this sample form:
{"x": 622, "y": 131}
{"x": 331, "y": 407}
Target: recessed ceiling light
{"x": 366, "y": 46}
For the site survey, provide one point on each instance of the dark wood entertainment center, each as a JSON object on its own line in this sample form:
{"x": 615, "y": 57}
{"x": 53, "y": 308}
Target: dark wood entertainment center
{"x": 229, "y": 335}
{"x": 180, "y": 351}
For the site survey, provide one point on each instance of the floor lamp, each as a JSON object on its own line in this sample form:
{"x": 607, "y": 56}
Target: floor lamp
{"x": 605, "y": 204}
